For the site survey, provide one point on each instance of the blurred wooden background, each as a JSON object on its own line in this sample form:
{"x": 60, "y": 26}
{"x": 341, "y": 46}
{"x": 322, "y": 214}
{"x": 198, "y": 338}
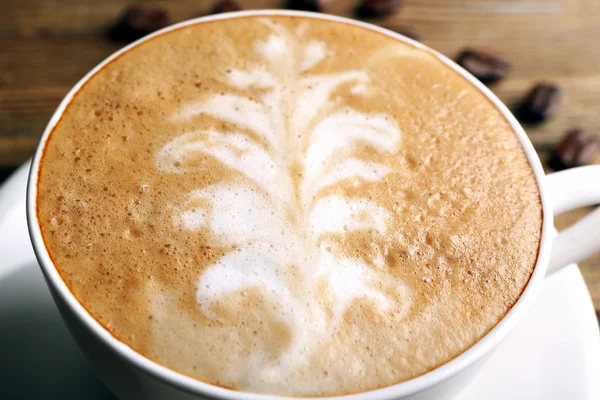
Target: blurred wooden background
{"x": 46, "y": 46}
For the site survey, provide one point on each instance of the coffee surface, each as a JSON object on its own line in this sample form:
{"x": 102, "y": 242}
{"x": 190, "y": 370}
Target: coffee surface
{"x": 287, "y": 205}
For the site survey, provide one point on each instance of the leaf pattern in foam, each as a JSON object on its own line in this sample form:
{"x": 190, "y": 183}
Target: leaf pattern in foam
{"x": 235, "y": 110}
{"x": 334, "y": 214}
{"x": 315, "y": 92}
{"x": 270, "y": 220}
{"x": 235, "y": 214}
{"x": 341, "y": 130}
{"x": 352, "y": 168}
{"x": 253, "y": 265}
{"x": 233, "y": 150}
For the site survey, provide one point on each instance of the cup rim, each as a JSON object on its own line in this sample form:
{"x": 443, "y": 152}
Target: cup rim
{"x": 197, "y": 387}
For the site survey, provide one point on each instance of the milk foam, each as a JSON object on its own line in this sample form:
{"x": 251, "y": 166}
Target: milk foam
{"x": 273, "y": 221}
{"x": 313, "y": 209}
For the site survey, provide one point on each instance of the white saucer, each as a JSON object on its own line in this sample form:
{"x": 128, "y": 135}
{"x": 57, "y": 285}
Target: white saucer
{"x": 554, "y": 353}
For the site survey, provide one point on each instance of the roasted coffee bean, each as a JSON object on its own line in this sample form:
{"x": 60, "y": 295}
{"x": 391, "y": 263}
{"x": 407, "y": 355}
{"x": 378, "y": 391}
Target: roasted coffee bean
{"x": 541, "y": 103}
{"x": 309, "y": 5}
{"x": 377, "y": 8}
{"x": 576, "y": 149}
{"x": 485, "y": 66}
{"x": 226, "y": 6}
{"x": 139, "y": 20}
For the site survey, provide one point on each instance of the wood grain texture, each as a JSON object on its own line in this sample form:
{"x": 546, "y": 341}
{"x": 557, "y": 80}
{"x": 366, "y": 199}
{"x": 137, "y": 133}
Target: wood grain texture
{"x": 46, "y": 46}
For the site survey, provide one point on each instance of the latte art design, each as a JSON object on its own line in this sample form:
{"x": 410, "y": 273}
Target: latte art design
{"x": 283, "y": 211}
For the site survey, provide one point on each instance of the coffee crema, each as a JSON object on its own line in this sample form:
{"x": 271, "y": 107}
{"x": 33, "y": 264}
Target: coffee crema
{"x": 289, "y": 205}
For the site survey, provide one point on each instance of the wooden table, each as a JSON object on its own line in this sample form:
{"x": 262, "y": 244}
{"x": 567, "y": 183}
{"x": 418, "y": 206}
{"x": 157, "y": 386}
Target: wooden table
{"x": 46, "y": 46}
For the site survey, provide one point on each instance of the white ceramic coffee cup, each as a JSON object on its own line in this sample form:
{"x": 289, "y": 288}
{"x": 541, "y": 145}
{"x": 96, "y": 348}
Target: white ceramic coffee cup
{"x": 130, "y": 375}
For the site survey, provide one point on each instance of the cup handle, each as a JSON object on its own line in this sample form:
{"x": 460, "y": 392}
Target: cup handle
{"x": 570, "y": 189}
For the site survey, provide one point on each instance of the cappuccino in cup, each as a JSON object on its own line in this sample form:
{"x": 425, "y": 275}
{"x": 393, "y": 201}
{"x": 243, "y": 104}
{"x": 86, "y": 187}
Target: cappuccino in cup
{"x": 287, "y": 205}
